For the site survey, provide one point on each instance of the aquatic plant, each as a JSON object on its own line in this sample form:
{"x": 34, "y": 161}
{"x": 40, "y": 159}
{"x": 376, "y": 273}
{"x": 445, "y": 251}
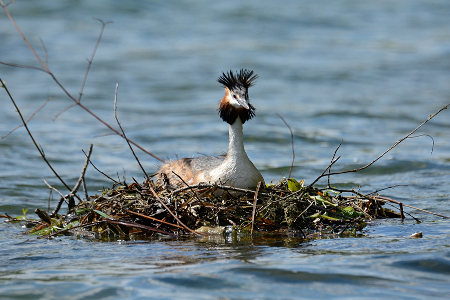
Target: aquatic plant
{"x": 146, "y": 209}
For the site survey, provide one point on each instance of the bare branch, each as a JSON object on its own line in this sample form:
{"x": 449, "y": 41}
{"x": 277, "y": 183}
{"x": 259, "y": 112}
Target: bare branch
{"x": 334, "y": 155}
{"x": 325, "y": 171}
{"x": 255, "y": 199}
{"x": 28, "y": 120}
{"x": 187, "y": 185}
{"x": 23, "y": 66}
{"x": 56, "y": 190}
{"x": 43, "y": 64}
{"x": 387, "y": 188}
{"x": 386, "y": 199}
{"x": 41, "y": 152}
{"x": 45, "y": 50}
{"x": 64, "y": 110}
{"x": 46, "y": 69}
{"x": 88, "y": 67}
{"x": 123, "y": 133}
{"x": 421, "y": 135}
{"x": 91, "y": 59}
{"x": 142, "y": 168}
{"x": 83, "y": 172}
{"x": 389, "y": 149}
{"x": 292, "y": 143}
{"x": 8, "y": 3}
{"x": 106, "y": 175}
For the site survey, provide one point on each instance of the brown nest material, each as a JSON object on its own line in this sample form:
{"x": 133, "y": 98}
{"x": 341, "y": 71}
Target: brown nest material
{"x": 145, "y": 210}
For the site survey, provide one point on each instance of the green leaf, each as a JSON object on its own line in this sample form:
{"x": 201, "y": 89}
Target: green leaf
{"x": 350, "y": 212}
{"x": 322, "y": 200}
{"x": 323, "y": 216}
{"x": 82, "y": 211}
{"x": 103, "y": 214}
{"x": 294, "y": 185}
{"x": 71, "y": 224}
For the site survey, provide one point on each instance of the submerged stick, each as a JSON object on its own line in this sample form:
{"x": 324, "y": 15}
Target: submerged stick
{"x": 140, "y": 226}
{"x": 154, "y": 219}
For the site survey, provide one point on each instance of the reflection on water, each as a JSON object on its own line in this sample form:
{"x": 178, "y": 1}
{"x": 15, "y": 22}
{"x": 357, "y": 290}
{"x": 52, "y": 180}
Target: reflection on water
{"x": 363, "y": 73}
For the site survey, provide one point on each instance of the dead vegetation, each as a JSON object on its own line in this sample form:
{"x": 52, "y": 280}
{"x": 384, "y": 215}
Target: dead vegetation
{"x": 145, "y": 209}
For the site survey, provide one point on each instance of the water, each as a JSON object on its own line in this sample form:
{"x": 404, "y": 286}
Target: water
{"x": 365, "y": 73}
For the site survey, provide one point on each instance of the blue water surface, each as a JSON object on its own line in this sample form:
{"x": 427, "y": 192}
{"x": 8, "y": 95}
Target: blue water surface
{"x": 364, "y": 73}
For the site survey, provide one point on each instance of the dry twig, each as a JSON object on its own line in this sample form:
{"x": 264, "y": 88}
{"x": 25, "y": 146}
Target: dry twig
{"x": 44, "y": 68}
{"x": 41, "y": 152}
{"x": 142, "y": 168}
{"x": 28, "y": 120}
{"x": 292, "y": 143}
{"x": 384, "y": 153}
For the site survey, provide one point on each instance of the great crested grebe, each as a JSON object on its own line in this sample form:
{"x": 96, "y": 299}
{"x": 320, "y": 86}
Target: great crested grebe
{"x": 234, "y": 168}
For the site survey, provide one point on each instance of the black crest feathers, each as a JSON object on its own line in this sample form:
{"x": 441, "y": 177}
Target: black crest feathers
{"x": 243, "y": 79}
{"x": 240, "y": 82}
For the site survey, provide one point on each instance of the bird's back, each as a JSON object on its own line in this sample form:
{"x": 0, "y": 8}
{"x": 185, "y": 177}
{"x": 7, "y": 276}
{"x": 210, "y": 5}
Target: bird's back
{"x": 188, "y": 170}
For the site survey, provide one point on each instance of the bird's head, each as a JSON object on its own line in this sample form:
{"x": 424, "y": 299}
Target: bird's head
{"x": 236, "y": 102}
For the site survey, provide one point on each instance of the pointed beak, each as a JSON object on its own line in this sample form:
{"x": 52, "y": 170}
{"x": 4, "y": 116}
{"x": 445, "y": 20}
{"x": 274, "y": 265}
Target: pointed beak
{"x": 243, "y": 103}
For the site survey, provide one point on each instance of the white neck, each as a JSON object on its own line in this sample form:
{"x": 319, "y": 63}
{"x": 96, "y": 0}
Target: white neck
{"x": 236, "y": 170}
{"x": 236, "y": 144}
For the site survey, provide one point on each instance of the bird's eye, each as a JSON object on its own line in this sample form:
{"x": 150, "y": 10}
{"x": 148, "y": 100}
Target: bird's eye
{"x": 234, "y": 96}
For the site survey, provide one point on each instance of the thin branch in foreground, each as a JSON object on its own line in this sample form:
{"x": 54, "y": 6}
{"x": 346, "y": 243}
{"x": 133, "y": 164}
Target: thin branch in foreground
{"x": 91, "y": 59}
{"x": 88, "y": 67}
{"x": 387, "y": 188}
{"x": 142, "y": 168}
{"x": 56, "y": 190}
{"x": 46, "y": 69}
{"x": 388, "y": 150}
{"x": 326, "y": 170}
{"x": 41, "y": 152}
{"x": 3, "y": 5}
{"x": 123, "y": 133}
{"x": 73, "y": 192}
{"x": 28, "y": 120}
{"x": 83, "y": 172}
{"x": 421, "y": 135}
{"x": 332, "y": 159}
{"x": 387, "y": 200}
{"x": 45, "y": 50}
{"x": 292, "y": 143}
{"x": 255, "y": 199}
{"x": 187, "y": 185}
{"x": 98, "y": 170}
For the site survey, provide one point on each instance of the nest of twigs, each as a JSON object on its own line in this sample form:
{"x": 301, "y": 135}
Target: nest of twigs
{"x": 145, "y": 210}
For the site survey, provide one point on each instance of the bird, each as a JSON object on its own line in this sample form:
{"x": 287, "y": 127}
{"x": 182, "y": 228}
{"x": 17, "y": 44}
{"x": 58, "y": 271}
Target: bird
{"x": 234, "y": 168}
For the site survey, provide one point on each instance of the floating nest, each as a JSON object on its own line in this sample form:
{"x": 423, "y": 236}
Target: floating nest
{"x": 130, "y": 211}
